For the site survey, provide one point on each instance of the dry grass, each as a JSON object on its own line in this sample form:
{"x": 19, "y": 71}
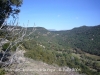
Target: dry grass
{"x": 29, "y": 66}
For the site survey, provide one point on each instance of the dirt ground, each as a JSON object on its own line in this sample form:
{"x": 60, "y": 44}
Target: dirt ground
{"x": 27, "y": 66}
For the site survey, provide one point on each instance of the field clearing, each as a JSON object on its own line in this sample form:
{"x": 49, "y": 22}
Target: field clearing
{"x": 76, "y": 55}
{"x": 87, "y": 54}
{"x": 93, "y": 56}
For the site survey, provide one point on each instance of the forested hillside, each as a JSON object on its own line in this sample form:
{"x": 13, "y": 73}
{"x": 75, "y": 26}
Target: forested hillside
{"x": 76, "y": 48}
{"x": 84, "y": 38}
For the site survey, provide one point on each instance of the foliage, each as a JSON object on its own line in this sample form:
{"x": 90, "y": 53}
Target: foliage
{"x": 60, "y": 46}
{"x": 84, "y": 38}
{"x": 2, "y": 72}
{"x": 38, "y": 53}
{"x": 11, "y": 48}
{"x": 2, "y": 33}
{"x": 7, "y": 8}
{"x": 5, "y": 46}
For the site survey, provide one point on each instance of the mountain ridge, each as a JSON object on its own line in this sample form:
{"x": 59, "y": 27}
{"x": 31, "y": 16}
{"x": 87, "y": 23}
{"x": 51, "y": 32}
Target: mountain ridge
{"x": 76, "y": 36}
{"x": 76, "y": 48}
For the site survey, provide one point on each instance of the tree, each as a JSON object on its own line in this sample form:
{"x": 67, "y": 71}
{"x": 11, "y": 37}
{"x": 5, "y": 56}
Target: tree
{"x": 9, "y": 7}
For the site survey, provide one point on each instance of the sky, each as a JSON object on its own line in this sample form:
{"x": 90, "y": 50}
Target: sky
{"x": 60, "y": 14}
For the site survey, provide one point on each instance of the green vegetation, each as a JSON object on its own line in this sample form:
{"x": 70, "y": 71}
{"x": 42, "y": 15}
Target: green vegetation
{"x": 83, "y": 38}
{"x": 8, "y": 8}
{"x": 2, "y": 33}
{"x": 38, "y": 53}
{"x": 5, "y": 46}
{"x": 76, "y": 48}
{"x": 73, "y": 48}
{"x": 2, "y": 72}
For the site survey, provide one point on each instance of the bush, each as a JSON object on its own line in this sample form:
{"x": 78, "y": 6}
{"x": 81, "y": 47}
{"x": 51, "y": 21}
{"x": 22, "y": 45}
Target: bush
{"x": 2, "y": 72}
{"x": 5, "y": 46}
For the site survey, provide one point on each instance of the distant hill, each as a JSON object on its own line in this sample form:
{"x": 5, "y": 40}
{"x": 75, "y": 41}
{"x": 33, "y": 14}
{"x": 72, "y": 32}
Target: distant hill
{"x": 52, "y": 30}
{"x": 76, "y": 48}
{"x": 84, "y": 38}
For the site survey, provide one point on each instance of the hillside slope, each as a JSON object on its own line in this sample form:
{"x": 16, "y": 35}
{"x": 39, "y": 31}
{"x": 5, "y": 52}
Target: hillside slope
{"x": 27, "y": 66}
{"x": 73, "y": 48}
{"x": 84, "y": 38}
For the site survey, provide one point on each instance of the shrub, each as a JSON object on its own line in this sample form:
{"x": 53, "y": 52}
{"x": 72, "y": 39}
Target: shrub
{"x": 5, "y": 46}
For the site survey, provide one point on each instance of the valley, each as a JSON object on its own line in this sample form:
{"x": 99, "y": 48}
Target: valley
{"x": 76, "y": 48}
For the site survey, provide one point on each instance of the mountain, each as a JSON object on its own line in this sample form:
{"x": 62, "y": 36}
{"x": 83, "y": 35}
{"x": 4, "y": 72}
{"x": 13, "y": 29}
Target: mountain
{"x": 52, "y": 30}
{"x": 75, "y": 48}
{"x": 84, "y": 38}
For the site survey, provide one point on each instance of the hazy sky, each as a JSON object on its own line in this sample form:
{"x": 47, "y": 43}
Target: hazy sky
{"x": 60, "y": 14}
